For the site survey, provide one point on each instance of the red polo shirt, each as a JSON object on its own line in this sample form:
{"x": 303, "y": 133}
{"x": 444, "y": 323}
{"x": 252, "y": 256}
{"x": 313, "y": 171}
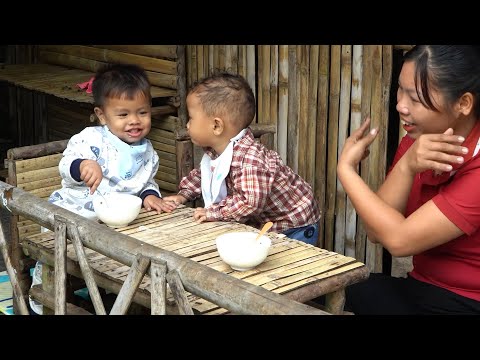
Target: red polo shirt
{"x": 454, "y": 265}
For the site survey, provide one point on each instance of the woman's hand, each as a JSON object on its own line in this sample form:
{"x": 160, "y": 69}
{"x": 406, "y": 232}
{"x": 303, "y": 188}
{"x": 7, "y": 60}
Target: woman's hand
{"x": 356, "y": 146}
{"x": 436, "y": 152}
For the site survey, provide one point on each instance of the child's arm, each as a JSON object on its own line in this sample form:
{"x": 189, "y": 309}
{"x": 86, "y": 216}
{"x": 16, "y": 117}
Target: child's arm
{"x": 80, "y": 147}
{"x": 190, "y": 186}
{"x": 250, "y": 193}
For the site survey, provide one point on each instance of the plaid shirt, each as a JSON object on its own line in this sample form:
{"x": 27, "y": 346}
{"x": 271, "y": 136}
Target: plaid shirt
{"x": 260, "y": 188}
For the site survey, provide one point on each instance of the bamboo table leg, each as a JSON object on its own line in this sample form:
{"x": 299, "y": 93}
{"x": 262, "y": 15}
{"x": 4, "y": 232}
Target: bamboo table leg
{"x": 335, "y": 301}
{"x": 48, "y": 285}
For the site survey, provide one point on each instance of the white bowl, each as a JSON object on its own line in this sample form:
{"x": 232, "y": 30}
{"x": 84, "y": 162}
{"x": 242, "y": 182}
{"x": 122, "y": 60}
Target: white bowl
{"x": 241, "y": 251}
{"x": 117, "y": 209}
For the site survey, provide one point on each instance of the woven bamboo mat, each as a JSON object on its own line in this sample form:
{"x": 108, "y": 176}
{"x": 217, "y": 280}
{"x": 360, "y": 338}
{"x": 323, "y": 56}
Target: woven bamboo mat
{"x": 289, "y": 265}
{"x": 59, "y": 81}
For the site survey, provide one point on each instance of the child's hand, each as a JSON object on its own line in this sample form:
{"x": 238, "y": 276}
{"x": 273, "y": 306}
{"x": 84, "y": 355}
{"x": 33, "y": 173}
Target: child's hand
{"x": 356, "y": 146}
{"x": 152, "y": 202}
{"x": 436, "y": 152}
{"x": 91, "y": 174}
{"x": 177, "y": 199}
{"x": 200, "y": 215}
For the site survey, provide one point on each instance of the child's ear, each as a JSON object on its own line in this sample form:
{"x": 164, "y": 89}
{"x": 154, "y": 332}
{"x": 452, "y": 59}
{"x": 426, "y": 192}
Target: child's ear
{"x": 218, "y": 126}
{"x": 100, "y": 115}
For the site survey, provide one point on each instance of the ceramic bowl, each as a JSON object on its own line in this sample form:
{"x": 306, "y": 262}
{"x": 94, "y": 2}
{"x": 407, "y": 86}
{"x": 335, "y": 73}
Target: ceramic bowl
{"x": 117, "y": 209}
{"x": 241, "y": 251}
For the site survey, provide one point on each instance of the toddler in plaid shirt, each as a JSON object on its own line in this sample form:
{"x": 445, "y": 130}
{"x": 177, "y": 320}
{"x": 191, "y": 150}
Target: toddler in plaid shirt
{"x": 240, "y": 179}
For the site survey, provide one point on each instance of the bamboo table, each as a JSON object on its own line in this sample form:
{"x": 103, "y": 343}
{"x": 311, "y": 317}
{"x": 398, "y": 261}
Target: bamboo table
{"x": 293, "y": 268}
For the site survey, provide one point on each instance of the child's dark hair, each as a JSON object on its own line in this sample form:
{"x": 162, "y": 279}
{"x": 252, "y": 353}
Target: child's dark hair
{"x": 453, "y": 70}
{"x": 117, "y": 80}
{"x": 228, "y": 95}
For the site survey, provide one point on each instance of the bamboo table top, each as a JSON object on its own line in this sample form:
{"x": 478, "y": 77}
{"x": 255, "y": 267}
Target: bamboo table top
{"x": 294, "y": 268}
{"x": 59, "y": 81}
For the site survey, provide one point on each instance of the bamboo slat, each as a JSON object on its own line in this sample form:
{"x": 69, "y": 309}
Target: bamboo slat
{"x": 333, "y": 113}
{"x": 112, "y": 56}
{"x": 377, "y": 153}
{"x": 157, "y": 51}
{"x": 282, "y": 101}
{"x": 343, "y": 121}
{"x": 312, "y": 114}
{"x": 293, "y": 107}
{"x": 321, "y": 137}
{"x": 302, "y": 80}
{"x": 251, "y": 68}
{"x": 273, "y": 117}
{"x": 355, "y": 121}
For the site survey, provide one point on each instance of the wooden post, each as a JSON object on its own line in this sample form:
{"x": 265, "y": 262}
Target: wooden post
{"x": 48, "y": 285}
{"x": 335, "y": 301}
{"x": 86, "y": 271}
{"x": 60, "y": 266}
{"x": 133, "y": 280}
{"x": 178, "y": 292}
{"x": 158, "y": 286}
{"x": 17, "y": 291}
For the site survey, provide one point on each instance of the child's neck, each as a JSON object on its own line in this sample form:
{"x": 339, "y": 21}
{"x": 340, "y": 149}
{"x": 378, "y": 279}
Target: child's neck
{"x": 224, "y": 140}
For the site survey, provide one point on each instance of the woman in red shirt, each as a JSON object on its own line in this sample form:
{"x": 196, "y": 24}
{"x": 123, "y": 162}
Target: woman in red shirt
{"x": 429, "y": 204}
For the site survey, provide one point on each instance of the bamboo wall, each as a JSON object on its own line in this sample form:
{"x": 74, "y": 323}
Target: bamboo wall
{"x": 316, "y": 95}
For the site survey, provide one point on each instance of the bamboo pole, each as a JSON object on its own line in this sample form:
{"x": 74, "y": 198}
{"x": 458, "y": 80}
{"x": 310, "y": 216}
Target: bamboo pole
{"x": 293, "y": 106}
{"x": 211, "y": 59}
{"x": 221, "y": 57}
{"x": 273, "y": 117}
{"x": 251, "y": 69}
{"x": 242, "y": 60}
{"x": 302, "y": 80}
{"x": 226, "y": 291}
{"x": 367, "y": 80}
{"x": 60, "y": 266}
{"x": 343, "y": 121}
{"x": 190, "y": 76}
{"x": 312, "y": 114}
{"x": 355, "y": 122}
{"x": 200, "y": 60}
{"x": 178, "y": 292}
{"x": 377, "y": 150}
{"x": 158, "y": 286}
{"x": 134, "y": 278}
{"x": 321, "y": 137}
{"x": 333, "y": 113}
{"x": 282, "y": 101}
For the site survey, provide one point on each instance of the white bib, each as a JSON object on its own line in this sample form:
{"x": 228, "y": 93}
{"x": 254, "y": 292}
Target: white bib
{"x": 214, "y": 188}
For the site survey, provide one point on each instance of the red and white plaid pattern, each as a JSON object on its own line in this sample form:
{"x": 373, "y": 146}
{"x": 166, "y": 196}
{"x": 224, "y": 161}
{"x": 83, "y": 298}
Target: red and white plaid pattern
{"x": 260, "y": 188}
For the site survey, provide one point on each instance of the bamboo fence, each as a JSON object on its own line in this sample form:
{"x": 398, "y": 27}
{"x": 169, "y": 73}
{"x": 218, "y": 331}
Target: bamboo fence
{"x": 316, "y": 95}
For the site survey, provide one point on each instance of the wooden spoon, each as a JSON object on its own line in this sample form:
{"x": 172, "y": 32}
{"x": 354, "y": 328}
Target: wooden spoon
{"x": 265, "y": 228}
